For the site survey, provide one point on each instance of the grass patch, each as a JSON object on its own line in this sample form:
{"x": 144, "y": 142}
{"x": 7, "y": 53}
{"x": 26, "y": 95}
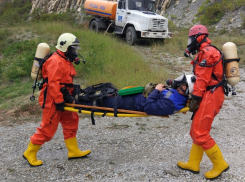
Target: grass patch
{"x": 32, "y": 108}
{"x": 116, "y": 126}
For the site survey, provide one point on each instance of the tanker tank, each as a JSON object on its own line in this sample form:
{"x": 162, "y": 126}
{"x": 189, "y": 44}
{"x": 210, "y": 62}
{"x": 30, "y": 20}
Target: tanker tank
{"x": 106, "y": 9}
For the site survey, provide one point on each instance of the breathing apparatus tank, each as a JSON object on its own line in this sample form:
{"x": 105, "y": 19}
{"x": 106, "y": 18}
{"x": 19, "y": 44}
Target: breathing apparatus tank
{"x": 43, "y": 50}
{"x": 231, "y": 63}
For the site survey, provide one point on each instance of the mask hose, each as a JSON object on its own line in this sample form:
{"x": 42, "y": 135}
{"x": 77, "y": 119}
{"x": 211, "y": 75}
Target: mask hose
{"x": 82, "y": 58}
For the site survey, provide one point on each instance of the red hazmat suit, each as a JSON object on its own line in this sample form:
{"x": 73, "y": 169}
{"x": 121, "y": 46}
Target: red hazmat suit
{"x": 211, "y": 102}
{"x": 58, "y": 70}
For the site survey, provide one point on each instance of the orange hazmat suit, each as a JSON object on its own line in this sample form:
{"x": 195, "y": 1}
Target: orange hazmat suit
{"x": 58, "y": 70}
{"x": 211, "y": 102}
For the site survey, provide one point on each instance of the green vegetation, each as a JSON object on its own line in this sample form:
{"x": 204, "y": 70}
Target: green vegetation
{"x": 173, "y": 16}
{"x": 211, "y": 13}
{"x": 14, "y": 12}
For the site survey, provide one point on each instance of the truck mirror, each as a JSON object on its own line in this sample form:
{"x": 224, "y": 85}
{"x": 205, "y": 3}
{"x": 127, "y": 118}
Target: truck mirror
{"x": 159, "y": 8}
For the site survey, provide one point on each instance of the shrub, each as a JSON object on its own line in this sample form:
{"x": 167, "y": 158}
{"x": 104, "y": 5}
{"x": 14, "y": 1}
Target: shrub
{"x": 243, "y": 23}
{"x": 14, "y": 12}
{"x": 18, "y": 59}
{"x": 68, "y": 16}
{"x": 211, "y": 13}
{"x": 173, "y": 16}
{"x": 171, "y": 25}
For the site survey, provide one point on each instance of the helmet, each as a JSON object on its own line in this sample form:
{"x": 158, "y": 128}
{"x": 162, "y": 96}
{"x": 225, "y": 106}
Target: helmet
{"x": 198, "y": 29}
{"x": 191, "y": 79}
{"x": 66, "y": 40}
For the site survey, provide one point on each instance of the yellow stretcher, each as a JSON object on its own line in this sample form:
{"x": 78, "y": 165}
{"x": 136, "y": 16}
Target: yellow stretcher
{"x": 121, "y": 112}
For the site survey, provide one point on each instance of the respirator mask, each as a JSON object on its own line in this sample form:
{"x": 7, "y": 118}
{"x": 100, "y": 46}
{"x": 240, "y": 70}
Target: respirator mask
{"x": 188, "y": 79}
{"x": 72, "y": 54}
{"x": 176, "y": 82}
{"x": 191, "y": 45}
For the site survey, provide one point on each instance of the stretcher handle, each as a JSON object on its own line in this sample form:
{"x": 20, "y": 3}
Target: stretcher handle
{"x": 110, "y": 109}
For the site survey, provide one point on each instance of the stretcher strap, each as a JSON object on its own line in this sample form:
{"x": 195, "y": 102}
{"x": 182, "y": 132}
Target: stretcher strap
{"x": 92, "y": 117}
{"x": 105, "y": 112}
{"x": 115, "y": 106}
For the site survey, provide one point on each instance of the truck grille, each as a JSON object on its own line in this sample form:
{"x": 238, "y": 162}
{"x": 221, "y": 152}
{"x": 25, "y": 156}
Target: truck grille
{"x": 157, "y": 24}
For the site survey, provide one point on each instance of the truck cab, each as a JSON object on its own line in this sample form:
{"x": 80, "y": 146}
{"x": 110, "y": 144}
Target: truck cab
{"x": 138, "y": 19}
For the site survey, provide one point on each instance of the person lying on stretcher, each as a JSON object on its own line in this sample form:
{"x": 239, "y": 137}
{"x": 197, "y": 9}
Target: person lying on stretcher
{"x": 156, "y": 99}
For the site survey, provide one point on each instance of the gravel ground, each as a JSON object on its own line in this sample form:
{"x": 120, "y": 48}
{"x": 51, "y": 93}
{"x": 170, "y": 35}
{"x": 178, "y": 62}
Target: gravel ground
{"x": 128, "y": 149}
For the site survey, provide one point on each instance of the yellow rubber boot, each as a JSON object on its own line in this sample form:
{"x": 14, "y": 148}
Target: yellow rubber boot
{"x": 73, "y": 150}
{"x": 195, "y": 158}
{"x": 30, "y": 155}
{"x": 219, "y": 164}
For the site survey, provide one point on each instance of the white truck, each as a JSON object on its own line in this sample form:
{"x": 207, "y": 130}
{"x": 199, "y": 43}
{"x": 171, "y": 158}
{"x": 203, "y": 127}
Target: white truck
{"x": 135, "y": 19}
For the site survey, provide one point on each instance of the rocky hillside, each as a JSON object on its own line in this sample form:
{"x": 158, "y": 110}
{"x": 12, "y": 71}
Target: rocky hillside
{"x": 58, "y": 5}
{"x": 180, "y": 12}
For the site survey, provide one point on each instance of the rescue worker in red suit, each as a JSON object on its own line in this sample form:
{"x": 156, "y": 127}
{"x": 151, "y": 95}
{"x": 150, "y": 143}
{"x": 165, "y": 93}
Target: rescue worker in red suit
{"x": 57, "y": 69}
{"x": 207, "y": 99}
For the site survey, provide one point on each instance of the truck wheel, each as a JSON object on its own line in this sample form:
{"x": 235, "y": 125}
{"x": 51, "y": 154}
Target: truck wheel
{"x": 94, "y": 26}
{"x": 131, "y": 36}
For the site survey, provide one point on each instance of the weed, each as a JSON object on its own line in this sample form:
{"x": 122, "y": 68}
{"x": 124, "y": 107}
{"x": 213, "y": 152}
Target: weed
{"x": 141, "y": 128}
{"x": 111, "y": 162}
{"x": 11, "y": 170}
{"x": 141, "y": 124}
{"x": 32, "y": 108}
{"x": 243, "y": 23}
{"x": 173, "y": 16}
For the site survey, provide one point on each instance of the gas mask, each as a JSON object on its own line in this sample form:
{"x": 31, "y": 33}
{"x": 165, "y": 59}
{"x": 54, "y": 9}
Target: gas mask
{"x": 188, "y": 79}
{"x": 72, "y": 54}
{"x": 192, "y": 45}
{"x": 176, "y": 82}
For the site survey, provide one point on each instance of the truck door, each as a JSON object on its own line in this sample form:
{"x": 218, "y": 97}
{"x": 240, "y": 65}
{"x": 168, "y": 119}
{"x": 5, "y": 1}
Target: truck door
{"x": 121, "y": 13}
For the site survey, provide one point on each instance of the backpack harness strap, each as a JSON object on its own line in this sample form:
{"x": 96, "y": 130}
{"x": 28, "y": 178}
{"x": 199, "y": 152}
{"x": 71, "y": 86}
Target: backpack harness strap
{"x": 222, "y": 82}
{"x": 45, "y": 80}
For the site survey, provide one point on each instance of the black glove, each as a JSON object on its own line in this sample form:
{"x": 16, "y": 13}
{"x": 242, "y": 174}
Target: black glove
{"x": 195, "y": 102}
{"x": 60, "y": 106}
{"x": 67, "y": 97}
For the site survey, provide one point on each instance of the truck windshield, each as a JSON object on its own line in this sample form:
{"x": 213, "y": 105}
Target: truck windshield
{"x": 142, "y": 5}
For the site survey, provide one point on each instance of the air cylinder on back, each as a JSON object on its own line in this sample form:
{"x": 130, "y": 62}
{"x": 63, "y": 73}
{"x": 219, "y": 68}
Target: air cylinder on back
{"x": 231, "y": 63}
{"x": 43, "y": 50}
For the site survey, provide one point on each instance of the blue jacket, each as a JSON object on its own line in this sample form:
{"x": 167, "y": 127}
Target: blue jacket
{"x": 165, "y": 103}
